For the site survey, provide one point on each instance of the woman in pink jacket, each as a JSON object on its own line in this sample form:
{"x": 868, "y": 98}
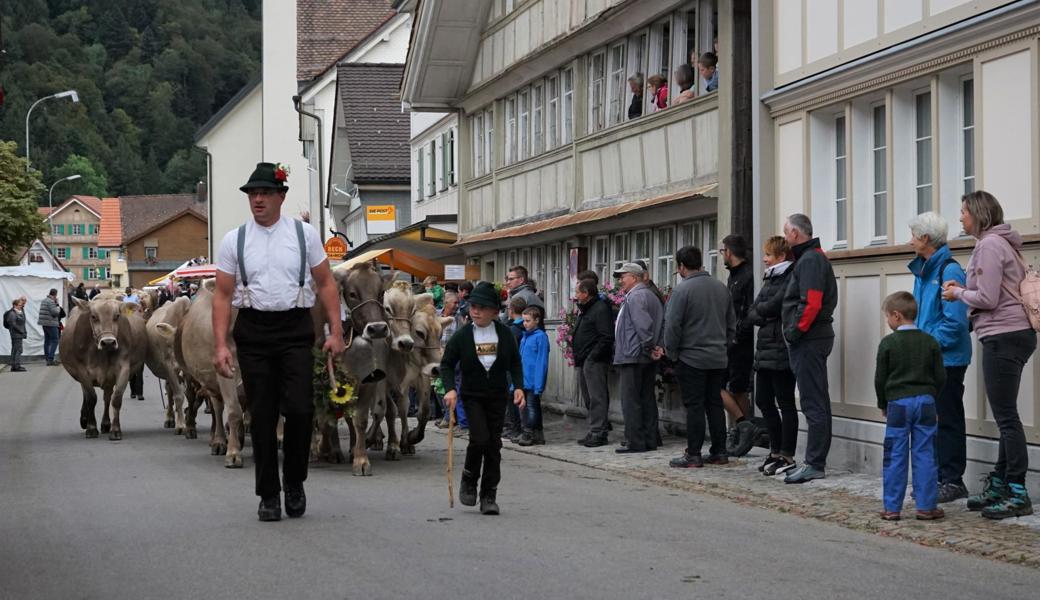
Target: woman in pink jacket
{"x": 1008, "y": 340}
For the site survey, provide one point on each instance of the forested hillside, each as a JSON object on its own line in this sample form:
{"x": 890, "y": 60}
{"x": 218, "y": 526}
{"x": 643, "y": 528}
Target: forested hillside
{"x": 148, "y": 74}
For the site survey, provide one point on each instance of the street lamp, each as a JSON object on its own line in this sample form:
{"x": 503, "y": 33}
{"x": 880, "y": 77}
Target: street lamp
{"x": 66, "y": 94}
{"x": 50, "y": 195}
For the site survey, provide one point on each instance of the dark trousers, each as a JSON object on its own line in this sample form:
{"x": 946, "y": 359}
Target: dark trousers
{"x": 1003, "y": 357}
{"x": 532, "y": 411}
{"x": 51, "y": 333}
{"x": 774, "y": 395}
{"x": 592, "y": 385}
{"x": 950, "y": 443}
{"x": 486, "y": 413}
{"x": 638, "y": 404}
{"x": 137, "y": 384}
{"x": 809, "y": 363}
{"x": 513, "y": 421}
{"x": 274, "y": 354}
{"x": 16, "y": 352}
{"x": 701, "y": 391}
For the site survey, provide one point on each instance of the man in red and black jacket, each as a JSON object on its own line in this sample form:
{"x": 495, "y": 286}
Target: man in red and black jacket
{"x": 808, "y": 317}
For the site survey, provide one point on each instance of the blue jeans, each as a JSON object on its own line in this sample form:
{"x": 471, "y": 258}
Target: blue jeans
{"x": 51, "y": 333}
{"x": 533, "y": 411}
{"x": 910, "y": 437}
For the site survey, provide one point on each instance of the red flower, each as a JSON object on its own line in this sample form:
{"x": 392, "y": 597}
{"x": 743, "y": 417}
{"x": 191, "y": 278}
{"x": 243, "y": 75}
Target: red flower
{"x": 280, "y": 174}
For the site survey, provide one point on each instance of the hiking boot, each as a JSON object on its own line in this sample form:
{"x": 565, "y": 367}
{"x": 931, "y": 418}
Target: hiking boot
{"x": 746, "y": 434}
{"x": 468, "y": 489}
{"x": 596, "y": 442}
{"x": 804, "y": 474}
{"x": 1016, "y": 504}
{"x": 526, "y": 439}
{"x": 732, "y": 440}
{"x": 950, "y": 491}
{"x": 768, "y": 461}
{"x": 687, "y": 461}
{"x": 717, "y": 459}
{"x": 538, "y": 436}
{"x": 295, "y": 500}
{"x": 270, "y": 509}
{"x": 488, "y": 506}
{"x": 994, "y": 491}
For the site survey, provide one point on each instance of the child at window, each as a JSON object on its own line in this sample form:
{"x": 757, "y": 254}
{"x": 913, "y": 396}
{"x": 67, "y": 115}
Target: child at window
{"x": 534, "y": 356}
{"x": 658, "y": 85}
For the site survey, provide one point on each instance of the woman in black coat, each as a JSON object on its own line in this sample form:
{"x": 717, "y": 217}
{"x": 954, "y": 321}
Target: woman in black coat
{"x": 774, "y": 380}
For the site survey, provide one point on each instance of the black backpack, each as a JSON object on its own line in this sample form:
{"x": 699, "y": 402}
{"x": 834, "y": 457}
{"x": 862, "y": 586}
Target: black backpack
{"x": 7, "y": 316}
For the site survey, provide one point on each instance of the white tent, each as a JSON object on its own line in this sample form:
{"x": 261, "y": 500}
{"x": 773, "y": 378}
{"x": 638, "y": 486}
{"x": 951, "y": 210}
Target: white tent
{"x": 34, "y": 283}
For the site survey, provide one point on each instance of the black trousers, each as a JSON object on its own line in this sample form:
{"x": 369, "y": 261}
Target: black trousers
{"x": 950, "y": 444}
{"x": 638, "y": 404}
{"x": 775, "y": 390}
{"x": 1003, "y": 357}
{"x": 274, "y": 354}
{"x": 485, "y": 413}
{"x": 701, "y": 391}
{"x": 809, "y": 363}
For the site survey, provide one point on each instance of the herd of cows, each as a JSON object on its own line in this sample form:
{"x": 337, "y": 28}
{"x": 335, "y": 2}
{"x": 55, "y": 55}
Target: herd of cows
{"x": 393, "y": 345}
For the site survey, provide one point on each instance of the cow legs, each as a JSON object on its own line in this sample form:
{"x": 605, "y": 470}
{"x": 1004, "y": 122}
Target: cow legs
{"x": 174, "y": 405}
{"x": 229, "y": 391}
{"x": 361, "y": 464}
{"x": 106, "y": 422}
{"x": 87, "y": 418}
{"x": 114, "y": 399}
{"x": 217, "y": 438}
{"x": 422, "y": 394}
{"x": 374, "y": 435}
{"x": 394, "y": 410}
{"x": 193, "y": 401}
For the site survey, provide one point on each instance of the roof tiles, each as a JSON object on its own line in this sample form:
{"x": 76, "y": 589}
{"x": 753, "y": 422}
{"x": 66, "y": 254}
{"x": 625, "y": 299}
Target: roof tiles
{"x": 376, "y": 128}
{"x": 328, "y": 29}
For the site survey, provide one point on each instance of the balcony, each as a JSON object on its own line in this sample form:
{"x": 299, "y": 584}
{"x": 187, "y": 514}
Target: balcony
{"x": 58, "y": 239}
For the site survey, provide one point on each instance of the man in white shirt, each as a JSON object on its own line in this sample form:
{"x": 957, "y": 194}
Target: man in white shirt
{"x": 269, "y": 269}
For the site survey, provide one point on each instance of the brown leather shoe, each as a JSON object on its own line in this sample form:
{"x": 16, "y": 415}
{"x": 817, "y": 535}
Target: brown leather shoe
{"x": 930, "y": 515}
{"x": 890, "y": 516}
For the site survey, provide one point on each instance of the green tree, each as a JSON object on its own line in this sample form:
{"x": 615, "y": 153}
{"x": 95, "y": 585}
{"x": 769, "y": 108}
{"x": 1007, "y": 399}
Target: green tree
{"x": 185, "y": 169}
{"x": 94, "y": 180}
{"x": 20, "y": 222}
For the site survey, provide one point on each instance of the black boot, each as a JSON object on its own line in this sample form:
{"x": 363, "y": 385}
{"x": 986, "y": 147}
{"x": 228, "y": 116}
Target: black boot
{"x": 488, "y": 506}
{"x": 295, "y": 500}
{"x": 468, "y": 489}
{"x": 270, "y": 509}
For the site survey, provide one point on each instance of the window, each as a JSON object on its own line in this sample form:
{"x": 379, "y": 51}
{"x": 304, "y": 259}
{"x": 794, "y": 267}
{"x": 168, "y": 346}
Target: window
{"x": 510, "y": 131}
{"x": 660, "y": 58}
{"x": 537, "y": 270}
{"x": 57, "y": 230}
{"x": 77, "y": 229}
{"x": 637, "y": 65}
{"x": 840, "y": 183}
{"x": 420, "y": 162}
{"x": 550, "y": 289}
{"x": 691, "y": 39}
{"x": 617, "y": 85}
{"x": 641, "y": 247}
{"x": 664, "y": 266}
{"x": 597, "y": 91}
{"x": 431, "y": 185}
{"x": 61, "y": 253}
{"x": 92, "y": 253}
{"x": 601, "y": 259}
{"x": 477, "y": 122}
{"x": 712, "y": 234}
{"x": 537, "y": 119}
{"x": 621, "y": 255}
{"x": 489, "y": 140}
{"x": 553, "y": 112}
{"x": 524, "y": 124}
{"x": 102, "y": 273}
{"x": 880, "y": 156}
{"x": 968, "y": 132}
{"x": 151, "y": 253}
{"x": 445, "y": 177}
{"x": 690, "y": 234}
{"x": 923, "y": 150}
{"x": 568, "y": 105}
{"x": 92, "y": 273}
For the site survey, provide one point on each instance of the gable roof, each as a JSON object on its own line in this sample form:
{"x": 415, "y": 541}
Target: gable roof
{"x": 141, "y": 214}
{"x": 377, "y": 131}
{"x": 46, "y": 249}
{"x": 44, "y": 210}
{"x": 328, "y": 29}
{"x": 111, "y": 234}
{"x": 91, "y": 203}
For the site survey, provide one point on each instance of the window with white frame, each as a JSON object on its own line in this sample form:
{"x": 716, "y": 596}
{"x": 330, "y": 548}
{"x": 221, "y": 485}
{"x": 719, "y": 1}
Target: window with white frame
{"x": 77, "y": 229}
{"x": 452, "y": 175}
{"x": 597, "y": 90}
{"x": 477, "y": 125}
{"x": 601, "y": 258}
{"x": 968, "y": 133}
{"x": 524, "y": 124}
{"x": 489, "y": 140}
{"x": 620, "y": 248}
{"x": 552, "y": 113}
{"x": 664, "y": 264}
{"x": 879, "y": 153}
{"x": 712, "y": 235}
{"x": 703, "y": 235}
{"x": 551, "y": 289}
{"x": 510, "y": 130}
{"x": 641, "y": 247}
{"x": 92, "y": 273}
{"x": 537, "y": 118}
{"x": 523, "y": 257}
{"x": 537, "y": 267}
{"x": 431, "y": 186}
{"x": 923, "y": 150}
{"x": 511, "y": 259}
{"x": 840, "y": 180}
{"x": 616, "y": 84}
{"x": 637, "y": 47}
{"x": 660, "y": 56}
{"x": 567, "y": 118}
{"x": 420, "y": 163}
{"x": 92, "y": 252}
{"x": 61, "y": 253}
{"x": 57, "y": 229}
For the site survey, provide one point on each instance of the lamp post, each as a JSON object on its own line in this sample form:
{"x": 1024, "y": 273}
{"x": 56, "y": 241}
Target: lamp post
{"x": 66, "y": 94}
{"x": 50, "y": 195}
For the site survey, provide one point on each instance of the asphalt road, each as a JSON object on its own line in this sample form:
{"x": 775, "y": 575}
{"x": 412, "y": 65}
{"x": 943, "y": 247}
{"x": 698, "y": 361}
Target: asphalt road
{"x": 156, "y": 516}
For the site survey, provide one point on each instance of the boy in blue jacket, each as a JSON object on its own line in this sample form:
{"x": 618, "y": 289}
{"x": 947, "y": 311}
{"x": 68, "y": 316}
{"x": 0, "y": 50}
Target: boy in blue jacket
{"x": 534, "y": 356}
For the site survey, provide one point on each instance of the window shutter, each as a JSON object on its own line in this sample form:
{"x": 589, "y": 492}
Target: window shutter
{"x": 451, "y": 157}
{"x": 86, "y": 253}
{"x": 68, "y": 253}
{"x": 84, "y": 273}
{"x": 419, "y": 157}
{"x": 431, "y": 187}
{"x": 444, "y": 161}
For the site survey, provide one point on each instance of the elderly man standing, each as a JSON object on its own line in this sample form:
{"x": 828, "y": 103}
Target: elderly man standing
{"x": 947, "y": 322}
{"x": 637, "y": 334}
{"x": 700, "y": 321}
{"x": 808, "y": 317}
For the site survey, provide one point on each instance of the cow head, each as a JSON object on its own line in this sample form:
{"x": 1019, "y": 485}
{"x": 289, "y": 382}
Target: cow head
{"x": 427, "y": 327}
{"x": 104, "y": 317}
{"x": 361, "y": 287}
{"x": 399, "y": 304}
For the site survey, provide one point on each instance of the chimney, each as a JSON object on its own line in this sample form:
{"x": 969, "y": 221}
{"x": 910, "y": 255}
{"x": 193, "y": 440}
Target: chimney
{"x": 200, "y": 192}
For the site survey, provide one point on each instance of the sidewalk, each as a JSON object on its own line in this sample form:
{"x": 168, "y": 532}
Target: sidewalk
{"x": 851, "y": 500}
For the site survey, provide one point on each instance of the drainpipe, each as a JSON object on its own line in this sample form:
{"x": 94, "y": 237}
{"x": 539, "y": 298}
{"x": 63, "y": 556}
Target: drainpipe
{"x": 209, "y": 197}
{"x": 321, "y": 163}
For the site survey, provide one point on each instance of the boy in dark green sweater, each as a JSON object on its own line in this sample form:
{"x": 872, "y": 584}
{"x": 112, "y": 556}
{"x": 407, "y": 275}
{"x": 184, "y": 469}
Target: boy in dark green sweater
{"x": 485, "y": 351}
{"x": 909, "y": 375}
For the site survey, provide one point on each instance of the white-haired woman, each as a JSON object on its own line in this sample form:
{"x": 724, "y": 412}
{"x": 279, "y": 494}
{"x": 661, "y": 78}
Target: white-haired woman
{"x": 947, "y": 322}
{"x": 1008, "y": 340}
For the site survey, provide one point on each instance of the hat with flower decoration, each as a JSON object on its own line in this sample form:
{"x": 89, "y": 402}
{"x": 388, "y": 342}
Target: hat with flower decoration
{"x": 268, "y": 175}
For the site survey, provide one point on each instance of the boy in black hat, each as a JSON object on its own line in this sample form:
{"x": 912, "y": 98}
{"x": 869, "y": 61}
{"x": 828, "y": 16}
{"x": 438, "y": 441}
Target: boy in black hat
{"x": 485, "y": 351}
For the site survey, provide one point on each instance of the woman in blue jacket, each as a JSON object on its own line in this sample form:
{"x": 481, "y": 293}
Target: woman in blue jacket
{"x": 534, "y": 356}
{"x": 947, "y": 322}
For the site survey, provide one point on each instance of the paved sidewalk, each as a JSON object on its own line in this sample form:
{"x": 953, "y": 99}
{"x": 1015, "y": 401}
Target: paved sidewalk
{"x": 851, "y": 500}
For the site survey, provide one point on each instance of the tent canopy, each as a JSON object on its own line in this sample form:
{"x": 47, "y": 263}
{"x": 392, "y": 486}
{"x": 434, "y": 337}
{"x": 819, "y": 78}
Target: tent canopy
{"x": 409, "y": 263}
{"x": 34, "y": 283}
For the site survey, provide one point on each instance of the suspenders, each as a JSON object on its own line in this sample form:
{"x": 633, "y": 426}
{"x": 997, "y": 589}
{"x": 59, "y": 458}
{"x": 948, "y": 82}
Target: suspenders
{"x": 242, "y": 261}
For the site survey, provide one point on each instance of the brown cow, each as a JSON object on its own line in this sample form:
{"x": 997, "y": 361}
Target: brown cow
{"x": 162, "y": 358}
{"x": 103, "y": 343}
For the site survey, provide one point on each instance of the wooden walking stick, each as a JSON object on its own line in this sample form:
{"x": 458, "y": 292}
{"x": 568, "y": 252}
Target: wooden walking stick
{"x": 451, "y": 458}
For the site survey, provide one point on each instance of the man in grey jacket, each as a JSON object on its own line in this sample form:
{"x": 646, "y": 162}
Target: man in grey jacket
{"x": 49, "y": 319}
{"x": 699, "y": 323}
{"x": 637, "y": 334}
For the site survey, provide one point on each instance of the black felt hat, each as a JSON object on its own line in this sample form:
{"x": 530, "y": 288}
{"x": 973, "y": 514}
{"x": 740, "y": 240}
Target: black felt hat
{"x": 268, "y": 175}
{"x": 484, "y": 294}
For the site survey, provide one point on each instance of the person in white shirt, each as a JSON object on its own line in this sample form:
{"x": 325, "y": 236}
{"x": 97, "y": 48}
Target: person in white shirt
{"x": 269, "y": 268}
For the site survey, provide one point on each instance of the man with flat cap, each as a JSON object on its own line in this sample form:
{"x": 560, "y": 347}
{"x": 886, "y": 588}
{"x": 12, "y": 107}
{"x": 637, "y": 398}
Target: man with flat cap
{"x": 485, "y": 352}
{"x": 271, "y": 269}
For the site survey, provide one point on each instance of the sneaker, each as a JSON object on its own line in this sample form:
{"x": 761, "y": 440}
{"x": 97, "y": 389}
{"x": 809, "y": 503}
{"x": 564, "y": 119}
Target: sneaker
{"x": 888, "y": 515}
{"x": 717, "y": 459}
{"x": 746, "y": 434}
{"x": 270, "y": 509}
{"x": 687, "y": 461}
{"x": 931, "y": 515}
{"x": 1016, "y": 504}
{"x": 585, "y": 440}
{"x": 950, "y": 491}
{"x": 595, "y": 442}
{"x": 804, "y": 474}
{"x": 994, "y": 491}
{"x": 526, "y": 439}
{"x": 779, "y": 466}
{"x": 768, "y": 461}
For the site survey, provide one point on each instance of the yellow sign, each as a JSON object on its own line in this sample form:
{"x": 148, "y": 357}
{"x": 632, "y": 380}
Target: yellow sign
{"x": 335, "y": 248}
{"x": 381, "y": 218}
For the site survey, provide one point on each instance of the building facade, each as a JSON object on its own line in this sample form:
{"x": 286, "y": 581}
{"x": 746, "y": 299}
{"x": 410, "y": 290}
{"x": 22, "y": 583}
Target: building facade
{"x": 74, "y": 227}
{"x": 435, "y": 165}
{"x": 870, "y": 112}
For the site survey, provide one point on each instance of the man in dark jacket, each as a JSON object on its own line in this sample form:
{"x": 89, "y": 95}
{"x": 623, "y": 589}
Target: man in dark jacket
{"x": 593, "y": 345}
{"x": 741, "y": 347}
{"x": 14, "y": 322}
{"x": 808, "y": 316}
{"x": 50, "y": 319}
